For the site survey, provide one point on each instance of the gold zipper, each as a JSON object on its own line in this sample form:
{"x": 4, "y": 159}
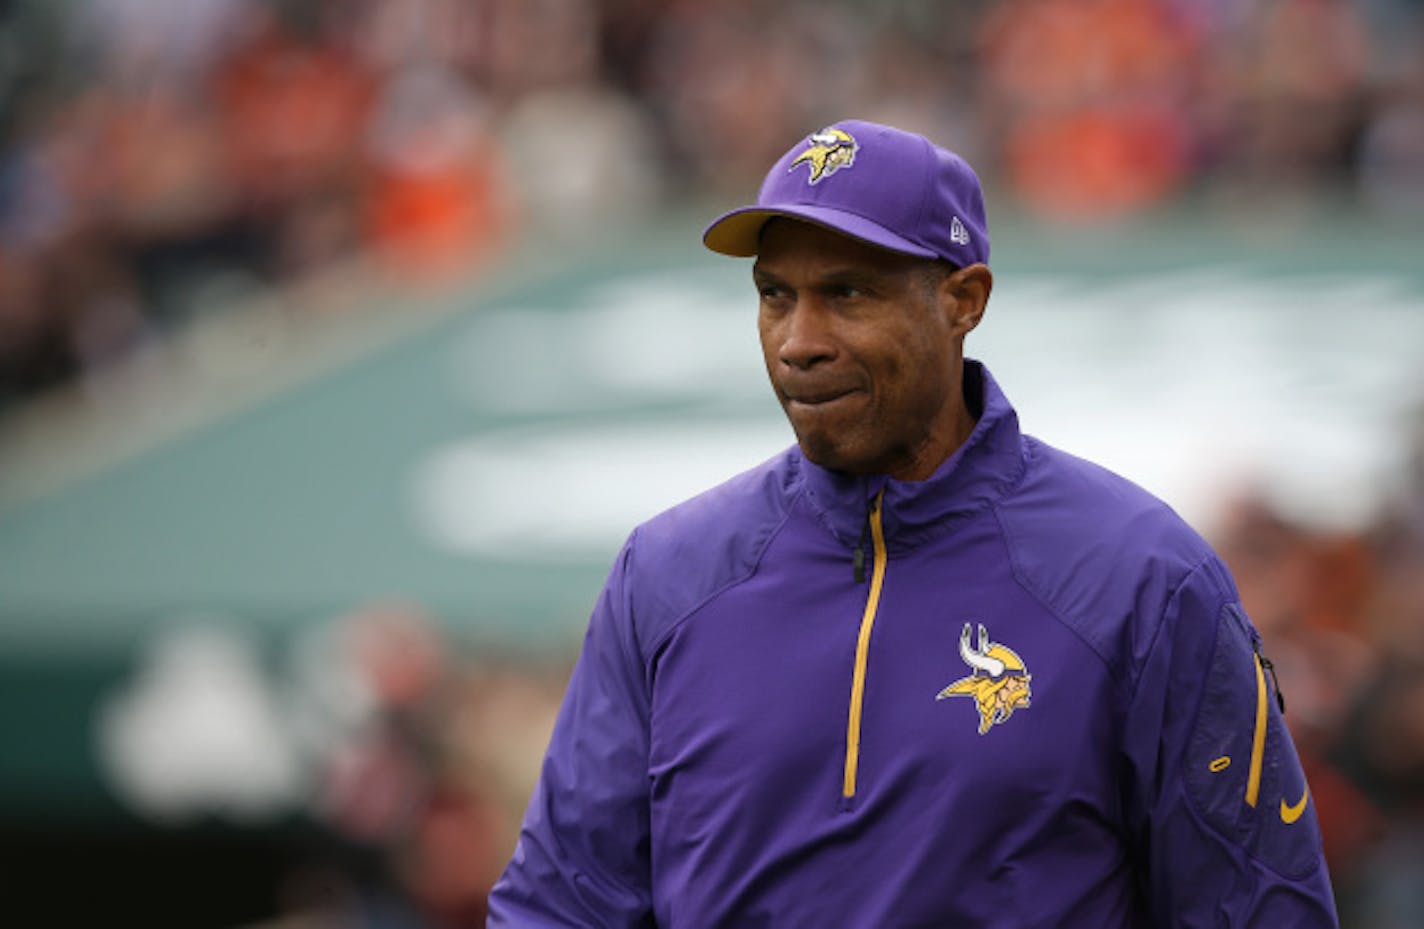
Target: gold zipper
{"x": 1258, "y": 739}
{"x": 862, "y": 651}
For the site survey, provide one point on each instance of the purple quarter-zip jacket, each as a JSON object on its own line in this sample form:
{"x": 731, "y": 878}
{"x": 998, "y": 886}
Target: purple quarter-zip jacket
{"x": 1032, "y": 700}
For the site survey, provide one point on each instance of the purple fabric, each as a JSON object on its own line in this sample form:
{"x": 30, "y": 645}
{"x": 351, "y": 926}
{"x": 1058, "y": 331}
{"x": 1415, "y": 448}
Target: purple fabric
{"x": 898, "y": 190}
{"x": 694, "y": 778}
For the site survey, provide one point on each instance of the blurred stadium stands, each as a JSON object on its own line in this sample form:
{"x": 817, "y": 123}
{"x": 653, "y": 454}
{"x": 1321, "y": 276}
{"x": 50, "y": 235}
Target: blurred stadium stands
{"x": 340, "y": 343}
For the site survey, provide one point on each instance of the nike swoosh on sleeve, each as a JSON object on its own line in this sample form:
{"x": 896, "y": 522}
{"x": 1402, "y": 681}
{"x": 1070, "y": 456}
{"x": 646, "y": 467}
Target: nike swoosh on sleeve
{"x": 1290, "y": 814}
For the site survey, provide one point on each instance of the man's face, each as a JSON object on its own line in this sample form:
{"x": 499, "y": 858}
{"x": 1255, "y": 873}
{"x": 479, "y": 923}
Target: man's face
{"x": 864, "y": 350}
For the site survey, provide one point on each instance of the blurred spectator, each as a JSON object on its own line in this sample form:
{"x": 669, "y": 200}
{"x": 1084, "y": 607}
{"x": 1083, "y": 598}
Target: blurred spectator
{"x": 413, "y": 787}
{"x": 139, "y": 44}
{"x": 434, "y": 199}
{"x": 581, "y": 158}
{"x": 1391, "y": 157}
{"x": 1291, "y": 80}
{"x": 728, "y": 82}
{"x": 918, "y": 71}
{"x": 1089, "y": 96}
{"x": 294, "y": 105}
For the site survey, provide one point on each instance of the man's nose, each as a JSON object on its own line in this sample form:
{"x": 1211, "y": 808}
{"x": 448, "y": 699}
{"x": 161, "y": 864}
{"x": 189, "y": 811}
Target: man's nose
{"x": 807, "y": 338}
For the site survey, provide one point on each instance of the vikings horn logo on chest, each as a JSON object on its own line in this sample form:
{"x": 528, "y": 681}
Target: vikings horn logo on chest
{"x": 999, "y": 684}
{"x": 830, "y": 150}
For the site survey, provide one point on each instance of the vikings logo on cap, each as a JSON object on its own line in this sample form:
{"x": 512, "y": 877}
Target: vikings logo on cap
{"x": 999, "y": 684}
{"x": 831, "y": 149}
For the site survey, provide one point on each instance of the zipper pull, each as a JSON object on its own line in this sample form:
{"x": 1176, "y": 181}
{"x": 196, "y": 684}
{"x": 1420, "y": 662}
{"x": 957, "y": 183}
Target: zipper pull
{"x": 858, "y": 556}
{"x": 1270, "y": 668}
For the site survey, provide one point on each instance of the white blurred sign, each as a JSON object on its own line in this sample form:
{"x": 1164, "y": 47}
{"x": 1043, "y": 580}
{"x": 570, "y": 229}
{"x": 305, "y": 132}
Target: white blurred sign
{"x": 1191, "y": 383}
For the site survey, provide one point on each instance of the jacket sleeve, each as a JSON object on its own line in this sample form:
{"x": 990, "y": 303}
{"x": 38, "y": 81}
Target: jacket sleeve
{"x": 582, "y": 858}
{"x": 1215, "y": 797}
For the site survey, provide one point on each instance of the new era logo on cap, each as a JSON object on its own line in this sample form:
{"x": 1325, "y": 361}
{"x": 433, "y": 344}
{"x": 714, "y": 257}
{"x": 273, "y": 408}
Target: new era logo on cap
{"x": 904, "y": 193}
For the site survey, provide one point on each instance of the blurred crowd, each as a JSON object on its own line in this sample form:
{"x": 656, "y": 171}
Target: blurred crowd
{"x": 395, "y": 758}
{"x": 162, "y": 157}
{"x": 1342, "y": 616}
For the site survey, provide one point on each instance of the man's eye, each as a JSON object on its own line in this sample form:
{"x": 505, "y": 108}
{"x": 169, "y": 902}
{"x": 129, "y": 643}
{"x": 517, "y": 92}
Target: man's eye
{"x": 846, "y": 292}
{"x": 771, "y": 291}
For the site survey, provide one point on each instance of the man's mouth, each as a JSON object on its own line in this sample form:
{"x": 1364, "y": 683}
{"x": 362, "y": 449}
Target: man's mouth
{"x": 817, "y": 397}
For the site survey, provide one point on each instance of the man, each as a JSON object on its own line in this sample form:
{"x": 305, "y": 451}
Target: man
{"x": 920, "y": 669}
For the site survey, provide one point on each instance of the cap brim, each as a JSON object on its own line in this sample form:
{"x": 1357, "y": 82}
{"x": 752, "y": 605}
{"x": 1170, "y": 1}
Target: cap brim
{"x": 738, "y": 233}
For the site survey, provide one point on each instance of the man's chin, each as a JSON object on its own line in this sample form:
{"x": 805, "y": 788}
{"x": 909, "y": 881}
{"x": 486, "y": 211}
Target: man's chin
{"x": 820, "y": 449}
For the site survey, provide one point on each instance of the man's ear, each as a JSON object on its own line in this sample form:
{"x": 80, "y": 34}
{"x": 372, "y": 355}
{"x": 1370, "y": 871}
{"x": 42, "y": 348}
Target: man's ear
{"x": 965, "y": 295}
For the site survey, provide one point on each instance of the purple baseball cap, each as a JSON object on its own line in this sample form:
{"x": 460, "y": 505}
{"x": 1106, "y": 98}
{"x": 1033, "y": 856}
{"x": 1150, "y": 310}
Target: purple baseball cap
{"x": 875, "y": 183}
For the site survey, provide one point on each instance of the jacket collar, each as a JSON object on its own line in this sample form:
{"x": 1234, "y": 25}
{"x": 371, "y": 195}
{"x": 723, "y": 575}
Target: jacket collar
{"x": 982, "y": 470}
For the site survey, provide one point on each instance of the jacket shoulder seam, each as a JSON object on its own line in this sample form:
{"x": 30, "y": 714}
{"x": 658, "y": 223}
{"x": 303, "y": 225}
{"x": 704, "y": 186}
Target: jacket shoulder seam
{"x": 1129, "y": 676}
{"x": 661, "y": 639}
{"x": 1021, "y": 578}
{"x": 1171, "y": 598}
